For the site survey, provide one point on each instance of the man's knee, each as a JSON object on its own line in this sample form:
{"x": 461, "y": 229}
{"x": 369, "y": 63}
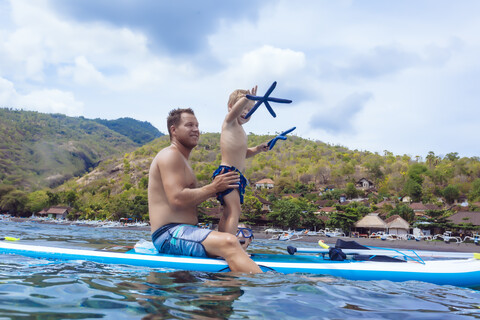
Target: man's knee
{"x": 229, "y": 241}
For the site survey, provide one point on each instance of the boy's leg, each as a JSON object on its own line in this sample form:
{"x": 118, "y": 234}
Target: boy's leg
{"x": 231, "y": 213}
{"x": 227, "y": 246}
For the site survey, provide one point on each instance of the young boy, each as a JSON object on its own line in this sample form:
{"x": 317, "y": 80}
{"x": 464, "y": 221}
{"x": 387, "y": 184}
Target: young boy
{"x": 234, "y": 150}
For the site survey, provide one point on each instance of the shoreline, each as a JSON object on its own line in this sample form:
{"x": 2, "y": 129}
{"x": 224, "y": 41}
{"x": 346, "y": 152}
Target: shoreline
{"x": 394, "y": 244}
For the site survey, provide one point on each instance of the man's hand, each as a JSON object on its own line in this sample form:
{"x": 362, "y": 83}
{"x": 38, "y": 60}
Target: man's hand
{"x": 225, "y": 181}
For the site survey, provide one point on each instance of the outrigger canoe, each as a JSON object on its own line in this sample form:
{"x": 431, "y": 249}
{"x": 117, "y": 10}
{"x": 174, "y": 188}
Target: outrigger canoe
{"x": 456, "y": 272}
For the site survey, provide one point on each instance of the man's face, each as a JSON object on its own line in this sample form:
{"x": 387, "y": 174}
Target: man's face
{"x": 187, "y": 132}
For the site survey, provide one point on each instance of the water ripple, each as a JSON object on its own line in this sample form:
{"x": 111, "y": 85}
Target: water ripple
{"x": 43, "y": 289}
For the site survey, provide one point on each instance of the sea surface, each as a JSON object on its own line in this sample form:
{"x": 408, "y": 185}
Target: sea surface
{"x": 42, "y": 289}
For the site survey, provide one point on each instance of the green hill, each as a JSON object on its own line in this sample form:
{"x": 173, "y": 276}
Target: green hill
{"x": 44, "y": 150}
{"x": 139, "y": 132}
{"x": 298, "y": 164}
{"x": 117, "y": 186}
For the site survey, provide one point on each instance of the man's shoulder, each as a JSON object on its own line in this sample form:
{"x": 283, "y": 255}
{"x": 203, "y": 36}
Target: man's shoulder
{"x": 169, "y": 153}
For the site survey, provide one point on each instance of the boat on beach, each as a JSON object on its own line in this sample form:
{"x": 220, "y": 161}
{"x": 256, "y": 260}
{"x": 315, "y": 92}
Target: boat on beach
{"x": 456, "y": 271}
{"x": 289, "y": 235}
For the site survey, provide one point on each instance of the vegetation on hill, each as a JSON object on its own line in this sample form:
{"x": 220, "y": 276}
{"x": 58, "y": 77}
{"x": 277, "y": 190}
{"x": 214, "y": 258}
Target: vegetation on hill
{"x": 301, "y": 170}
{"x": 40, "y": 150}
{"x": 139, "y": 132}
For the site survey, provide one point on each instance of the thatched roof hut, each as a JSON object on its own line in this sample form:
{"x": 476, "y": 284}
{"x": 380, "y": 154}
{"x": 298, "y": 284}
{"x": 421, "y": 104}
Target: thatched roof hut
{"x": 397, "y": 225}
{"x": 371, "y": 222}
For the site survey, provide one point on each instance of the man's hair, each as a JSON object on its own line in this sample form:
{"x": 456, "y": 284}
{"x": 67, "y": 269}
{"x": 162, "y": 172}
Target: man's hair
{"x": 174, "y": 117}
{"x": 235, "y": 96}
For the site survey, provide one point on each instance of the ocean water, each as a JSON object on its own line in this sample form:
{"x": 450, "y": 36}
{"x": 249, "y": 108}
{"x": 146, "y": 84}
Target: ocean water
{"x": 42, "y": 289}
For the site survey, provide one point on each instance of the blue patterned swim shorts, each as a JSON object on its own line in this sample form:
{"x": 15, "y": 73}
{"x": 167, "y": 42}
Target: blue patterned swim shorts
{"x": 180, "y": 239}
{"x": 241, "y": 184}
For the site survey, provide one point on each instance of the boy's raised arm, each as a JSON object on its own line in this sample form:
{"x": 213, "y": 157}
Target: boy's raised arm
{"x": 240, "y": 105}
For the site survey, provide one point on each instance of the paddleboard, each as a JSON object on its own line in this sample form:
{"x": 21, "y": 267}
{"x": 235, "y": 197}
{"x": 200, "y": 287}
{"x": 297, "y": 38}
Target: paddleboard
{"x": 457, "y": 272}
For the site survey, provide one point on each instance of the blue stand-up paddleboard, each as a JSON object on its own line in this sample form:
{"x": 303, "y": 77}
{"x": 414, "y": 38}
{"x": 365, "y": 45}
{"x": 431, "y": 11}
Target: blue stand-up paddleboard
{"x": 457, "y": 272}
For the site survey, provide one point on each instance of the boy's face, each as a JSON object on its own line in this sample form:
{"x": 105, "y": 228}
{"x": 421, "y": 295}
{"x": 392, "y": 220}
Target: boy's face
{"x": 241, "y": 118}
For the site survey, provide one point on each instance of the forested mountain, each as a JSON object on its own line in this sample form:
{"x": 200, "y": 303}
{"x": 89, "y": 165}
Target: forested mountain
{"x": 298, "y": 161}
{"x": 139, "y": 132}
{"x": 117, "y": 187}
{"x": 43, "y": 150}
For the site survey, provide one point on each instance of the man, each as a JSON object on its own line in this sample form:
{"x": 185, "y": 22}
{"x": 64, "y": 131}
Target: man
{"x": 173, "y": 197}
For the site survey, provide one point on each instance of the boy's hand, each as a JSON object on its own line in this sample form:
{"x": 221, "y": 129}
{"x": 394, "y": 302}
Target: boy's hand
{"x": 254, "y": 91}
{"x": 262, "y": 147}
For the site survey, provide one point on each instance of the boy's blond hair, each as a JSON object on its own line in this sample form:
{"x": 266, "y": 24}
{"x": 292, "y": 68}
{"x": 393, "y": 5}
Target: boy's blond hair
{"x": 235, "y": 96}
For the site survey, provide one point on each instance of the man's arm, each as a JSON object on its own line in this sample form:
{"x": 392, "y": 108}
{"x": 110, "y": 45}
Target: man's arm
{"x": 180, "y": 193}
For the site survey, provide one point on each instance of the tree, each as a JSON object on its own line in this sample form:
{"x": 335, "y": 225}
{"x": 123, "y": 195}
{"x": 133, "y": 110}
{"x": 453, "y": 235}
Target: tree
{"x": 416, "y": 171}
{"x": 451, "y": 193}
{"x": 36, "y": 201}
{"x": 4, "y": 189}
{"x": 346, "y": 216}
{"x": 284, "y": 185}
{"x": 474, "y": 194}
{"x": 139, "y": 206}
{"x": 431, "y": 159}
{"x": 350, "y": 190}
{"x": 69, "y": 197}
{"x": 413, "y": 189}
{"x": 452, "y": 156}
{"x": 285, "y": 213}
{"x": 292, "y": 213}
{"x": 251, "y": 208}
{"x": 53, "y": 198}
{"x": 403, "y": 211}
{"x": 343, "y": 220}
{"x": 143, "y": 183}
{"x": 14, "y": 201}
{"x": 374, "y": 167}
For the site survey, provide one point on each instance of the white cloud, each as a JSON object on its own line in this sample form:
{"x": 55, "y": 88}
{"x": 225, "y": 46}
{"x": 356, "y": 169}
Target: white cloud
{"x": 413, "y": 69}
{"x": 340, "y": 118}
{"x": 83, "y": 72}
{"x": 7, "y": 93}
{"x": 264, "y": 65}
{"x": 49, "y": 101}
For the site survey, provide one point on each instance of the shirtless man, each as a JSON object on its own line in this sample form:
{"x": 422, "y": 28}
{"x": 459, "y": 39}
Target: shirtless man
{"x": 173, "y": 197}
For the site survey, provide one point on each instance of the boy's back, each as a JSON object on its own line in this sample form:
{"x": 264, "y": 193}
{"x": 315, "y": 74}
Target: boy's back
{"x": 233, "y": 144}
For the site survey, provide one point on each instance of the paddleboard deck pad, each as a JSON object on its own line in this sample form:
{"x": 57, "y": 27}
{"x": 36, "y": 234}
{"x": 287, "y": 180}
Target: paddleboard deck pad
{"x": 457, "y": 272}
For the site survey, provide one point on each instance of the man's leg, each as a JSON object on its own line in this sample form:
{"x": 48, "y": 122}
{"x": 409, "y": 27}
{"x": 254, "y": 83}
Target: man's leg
{"x": 231, "y": 213}
{"x": 227, "y": 246}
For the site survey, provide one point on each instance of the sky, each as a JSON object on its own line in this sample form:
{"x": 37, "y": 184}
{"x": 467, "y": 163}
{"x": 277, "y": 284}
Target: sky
{"x": 370, "y": 75}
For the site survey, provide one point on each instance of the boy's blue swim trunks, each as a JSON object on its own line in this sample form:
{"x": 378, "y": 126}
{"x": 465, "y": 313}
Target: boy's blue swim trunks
{"x": 180, "y": 239}
{"x": 241, "y": 184}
